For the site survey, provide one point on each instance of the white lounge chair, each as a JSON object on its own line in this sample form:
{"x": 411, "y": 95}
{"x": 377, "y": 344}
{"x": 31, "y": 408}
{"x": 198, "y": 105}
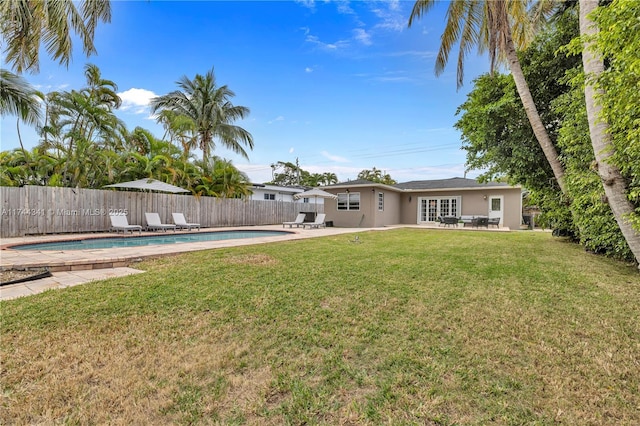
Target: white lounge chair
{"x": 119, "y": 222}
{"x": 181, "y": 222}
{"x": 154, "y": 223}
{"x": 319, "y": 222}
{"x": 299, "y": 221}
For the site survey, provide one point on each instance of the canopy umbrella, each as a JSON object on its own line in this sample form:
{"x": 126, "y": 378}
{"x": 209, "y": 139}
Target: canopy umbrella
{"x": 148, "y": 184}
{"x": 315, "y": 193}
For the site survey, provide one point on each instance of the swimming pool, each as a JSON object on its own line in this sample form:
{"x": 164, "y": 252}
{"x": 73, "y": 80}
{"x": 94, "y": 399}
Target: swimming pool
{"x": 111, "y": 242}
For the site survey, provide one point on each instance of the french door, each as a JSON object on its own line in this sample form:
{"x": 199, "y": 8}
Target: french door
{"x": 430, "y": 208}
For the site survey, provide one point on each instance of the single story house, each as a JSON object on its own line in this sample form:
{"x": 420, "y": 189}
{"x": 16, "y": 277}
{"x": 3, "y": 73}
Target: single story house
{"x": 362, "y": 203}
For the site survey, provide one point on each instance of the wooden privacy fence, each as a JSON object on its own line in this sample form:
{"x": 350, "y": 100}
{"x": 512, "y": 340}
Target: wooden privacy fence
{"x": 33, "y": 210}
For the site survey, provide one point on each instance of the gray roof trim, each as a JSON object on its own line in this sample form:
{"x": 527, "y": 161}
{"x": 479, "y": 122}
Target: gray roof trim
{"x": 479, "y": 188}
{"x": 437, "y": 185}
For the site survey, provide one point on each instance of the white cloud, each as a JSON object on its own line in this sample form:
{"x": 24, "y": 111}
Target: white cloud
{"x": 443, "y": 171}
{"x": 394, "y": 5}
{"x": 278, "y": 118}
{"x": 389, "y": 77}
{"x": 257, "y": 173}
{"x": 308, "y": 69}
{"x": 46, "y": 88}
{"x": 393, "y": 77}
{"x": 391, "y": 17}
{"x": 291, "y": 150}
{"x": 362, "y": 36}
{"x": 340, "y": 44}
{"x": 344, "y": 7}
{"x": 335, "y": 158}
{"x": 309, "y": 4}
{"x": 136, "y": 100}
{"x": 421, "y": 54}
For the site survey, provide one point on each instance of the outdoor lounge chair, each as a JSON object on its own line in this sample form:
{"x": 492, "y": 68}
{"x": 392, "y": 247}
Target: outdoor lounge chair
{"x": 181, "y": 222}
{"x": 299, "y": 221}
{"x": 494, "y": 221}
{"x": 319, "y": 222}
{"x": 119, "y": 222}
{"x": 154, "y": 223}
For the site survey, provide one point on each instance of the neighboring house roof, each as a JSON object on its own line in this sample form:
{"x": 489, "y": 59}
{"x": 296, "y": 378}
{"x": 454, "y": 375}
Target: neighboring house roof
{"x": 280, "y": 189}
{"x": 425, "y": 185}
{"x": 360, "y": 182}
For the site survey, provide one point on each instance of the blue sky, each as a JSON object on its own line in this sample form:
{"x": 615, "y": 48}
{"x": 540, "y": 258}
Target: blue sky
{"x": 341, "y": 86}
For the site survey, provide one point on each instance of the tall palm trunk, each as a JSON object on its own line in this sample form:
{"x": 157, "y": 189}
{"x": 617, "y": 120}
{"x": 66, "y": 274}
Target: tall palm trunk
{"x": 612, "y": 180}
{"x": 538, "y": 127}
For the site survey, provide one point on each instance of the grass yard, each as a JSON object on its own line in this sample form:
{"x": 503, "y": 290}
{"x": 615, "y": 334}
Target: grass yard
{"x": 409, "y": 326}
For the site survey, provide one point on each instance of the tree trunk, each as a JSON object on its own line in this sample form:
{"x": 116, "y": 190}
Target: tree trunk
{"x": 532, "y": 114}
{"x": 614, "y": 185}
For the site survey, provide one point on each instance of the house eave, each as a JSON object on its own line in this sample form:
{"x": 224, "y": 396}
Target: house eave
{"x": 484, "y": 188}
{"x": 414, "y": 190}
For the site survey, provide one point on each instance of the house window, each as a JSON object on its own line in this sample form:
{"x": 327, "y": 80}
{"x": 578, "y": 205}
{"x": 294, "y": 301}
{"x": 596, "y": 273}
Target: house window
{"x": 269, "y": 196}
{"x": 305, "y": 200}
{"x": 349, "y": 201}
{"x": 380, "y": 201}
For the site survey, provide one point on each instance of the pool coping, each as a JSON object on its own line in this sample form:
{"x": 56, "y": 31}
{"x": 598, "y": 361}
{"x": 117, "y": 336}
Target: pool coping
{"x": 85, "y": 237}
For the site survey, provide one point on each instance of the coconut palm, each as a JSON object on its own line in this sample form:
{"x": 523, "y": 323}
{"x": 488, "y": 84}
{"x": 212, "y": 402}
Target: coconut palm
{"x": 210, "y": 109}
{"x": 613, "y": 182}
{"x": 497, "y": 26}
{"x": 179, "y": 129}
{"x": 18, "y": 98}
{"x": 27, "y": 24}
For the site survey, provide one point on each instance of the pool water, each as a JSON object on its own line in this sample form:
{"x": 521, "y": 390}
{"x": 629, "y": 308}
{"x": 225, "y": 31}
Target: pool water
{"x": 111, "y": 242}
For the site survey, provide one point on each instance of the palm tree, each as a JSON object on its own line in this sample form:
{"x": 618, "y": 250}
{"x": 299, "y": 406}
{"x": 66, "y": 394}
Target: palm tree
{"x": 101, "y": 91}
{"x": 497, "y": 26}
{"x": 27, "y": 24}
{"x": 179, "y": 129}
{"x": 613, "y": 182}
{"x": 210, "y": 109}
{"x": 329, "y": 178}
{"x": 18, "y": 98}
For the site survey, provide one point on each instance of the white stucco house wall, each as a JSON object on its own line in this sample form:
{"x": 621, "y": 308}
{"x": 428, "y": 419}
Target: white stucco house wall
{"x": 266, "y": 192}
{"x": 262, "y": 192}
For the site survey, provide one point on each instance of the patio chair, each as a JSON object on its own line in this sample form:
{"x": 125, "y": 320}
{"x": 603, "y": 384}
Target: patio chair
{"x": 119, "y": 222}
{"x": 181, "y": 222}
{"x": 319, "y": 222}
{"x": 482, "y": 221}
{"x": 299, "y": 221}
{"x": 154, "y": 223}
{"x": 494, "y": 221}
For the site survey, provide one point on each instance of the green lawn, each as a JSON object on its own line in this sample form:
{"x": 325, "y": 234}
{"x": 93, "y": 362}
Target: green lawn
{"x": 409, "y": 326}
